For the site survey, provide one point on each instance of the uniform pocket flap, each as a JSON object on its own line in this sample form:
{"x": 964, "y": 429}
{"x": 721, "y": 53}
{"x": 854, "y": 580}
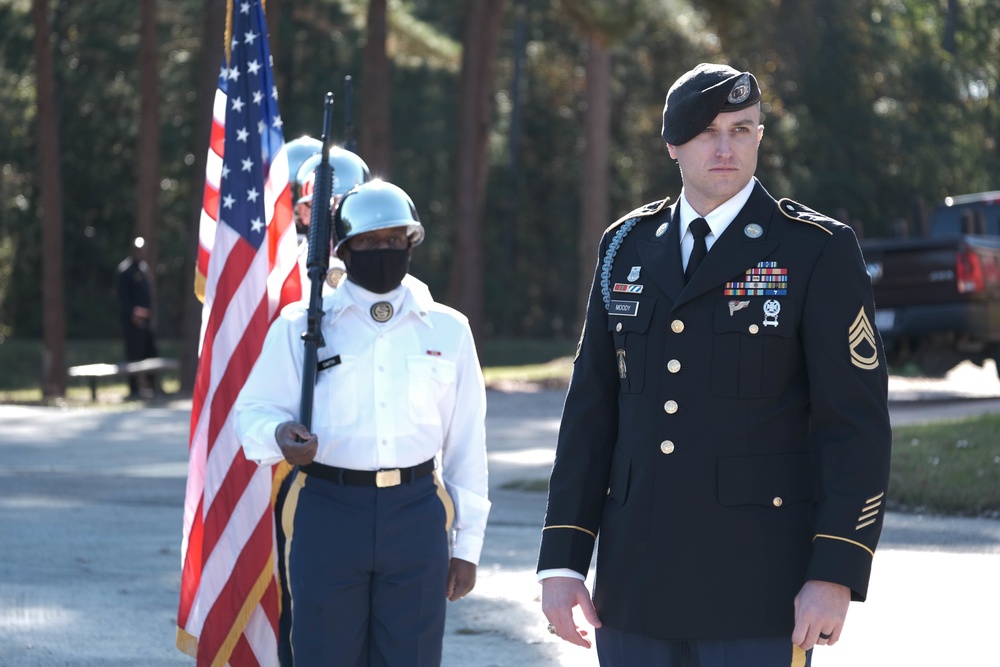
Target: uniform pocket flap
{"x": 772, "y": 479}
{"x": 441, "y": 370}
{"x": 630, "y": 315}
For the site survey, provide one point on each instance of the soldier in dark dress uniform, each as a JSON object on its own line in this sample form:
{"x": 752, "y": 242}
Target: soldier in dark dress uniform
{"x": 726, "y": 432}
{"x": 136, "y": 313}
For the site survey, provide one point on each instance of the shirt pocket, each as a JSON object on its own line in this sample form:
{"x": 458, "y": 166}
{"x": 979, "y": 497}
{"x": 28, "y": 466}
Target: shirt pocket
{"x": 773, "y": 480}
{"x": 628, "y": 321}
{"x": 336, "y": 394}
{"x": 431, "y": 379}
{"x": 753, "y": 346}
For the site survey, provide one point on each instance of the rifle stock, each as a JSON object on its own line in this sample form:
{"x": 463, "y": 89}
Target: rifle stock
{"x": 317, "y": 264}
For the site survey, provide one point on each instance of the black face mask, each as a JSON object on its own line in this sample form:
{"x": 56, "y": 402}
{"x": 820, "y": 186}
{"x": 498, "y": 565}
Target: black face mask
{"x": 380, "y": 270}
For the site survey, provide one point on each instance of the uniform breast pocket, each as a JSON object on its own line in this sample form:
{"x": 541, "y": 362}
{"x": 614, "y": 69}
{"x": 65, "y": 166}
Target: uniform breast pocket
{"x": 336, "y": 395}
{"x": 431, "y": 379}
{"x": 629, "y": 322}
{"x": 772, "y": 480}
{"x": 753, "y": 345}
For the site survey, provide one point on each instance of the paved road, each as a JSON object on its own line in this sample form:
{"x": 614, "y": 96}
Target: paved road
{"x": 90, "y": 520}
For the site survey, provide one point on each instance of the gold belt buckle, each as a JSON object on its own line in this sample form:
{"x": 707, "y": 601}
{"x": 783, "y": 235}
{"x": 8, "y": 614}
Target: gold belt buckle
{"x": 384, "y": 478}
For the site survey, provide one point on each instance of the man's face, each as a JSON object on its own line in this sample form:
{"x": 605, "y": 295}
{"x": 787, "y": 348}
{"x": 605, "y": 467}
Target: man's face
{"x": 303, "y": 214}
{"x": 721, "y": 160}
{"x": 391, "y": 238}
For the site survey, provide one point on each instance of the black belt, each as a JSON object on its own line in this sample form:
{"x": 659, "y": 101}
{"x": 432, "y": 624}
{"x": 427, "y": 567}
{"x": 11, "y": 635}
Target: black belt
{"x": 379, "y": 478}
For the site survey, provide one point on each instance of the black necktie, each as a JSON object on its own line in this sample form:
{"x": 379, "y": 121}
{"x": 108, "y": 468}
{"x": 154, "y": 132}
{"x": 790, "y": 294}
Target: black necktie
{"x": 700, "y": 229}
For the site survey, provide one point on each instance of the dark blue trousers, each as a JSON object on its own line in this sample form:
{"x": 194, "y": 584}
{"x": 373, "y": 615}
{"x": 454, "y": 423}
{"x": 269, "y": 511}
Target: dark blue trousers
{"x": 621, "y": 649}
{"x": 367, "y": 569}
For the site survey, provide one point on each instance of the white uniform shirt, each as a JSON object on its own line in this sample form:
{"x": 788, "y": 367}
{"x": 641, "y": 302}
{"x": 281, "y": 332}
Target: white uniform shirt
{"x": 401, "y": 392}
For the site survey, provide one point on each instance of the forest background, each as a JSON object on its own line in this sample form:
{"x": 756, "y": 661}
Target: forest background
{"x": 520, "y": 128}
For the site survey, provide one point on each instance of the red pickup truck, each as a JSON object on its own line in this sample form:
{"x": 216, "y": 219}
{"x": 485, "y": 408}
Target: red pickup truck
{"x": 937, "y": 298}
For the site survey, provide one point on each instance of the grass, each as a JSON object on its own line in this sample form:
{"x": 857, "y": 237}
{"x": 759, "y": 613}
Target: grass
{"x": 21, "y": 363}
{"x": 508, "y": 364}
{"x": 947, "y": 467}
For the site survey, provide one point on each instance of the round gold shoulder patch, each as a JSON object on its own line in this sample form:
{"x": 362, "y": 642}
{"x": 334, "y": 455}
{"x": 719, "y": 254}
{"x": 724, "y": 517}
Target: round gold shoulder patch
{"x": 333, "y": 276}
{"x": 381, "y": 311}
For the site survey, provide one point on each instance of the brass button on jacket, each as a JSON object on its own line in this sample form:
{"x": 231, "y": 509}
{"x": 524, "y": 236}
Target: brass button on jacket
{"x": 677, "y": 326}
{"x": 670, "y": 407}
{"x": 777, "y": 501}
{"x": 667, "y": 447}
{"x": 673, "y": 366}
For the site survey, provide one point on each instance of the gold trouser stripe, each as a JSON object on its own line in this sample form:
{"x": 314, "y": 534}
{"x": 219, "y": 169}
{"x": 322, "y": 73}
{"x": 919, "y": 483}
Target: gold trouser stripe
{"x": 798, "y": 656}
{"x": 288, "y": 525}
{"x": 583, "y": 530}
{"x": 449, "y": 505}
{"x": 844, "y": 539}
{"x": 280, "y": 471}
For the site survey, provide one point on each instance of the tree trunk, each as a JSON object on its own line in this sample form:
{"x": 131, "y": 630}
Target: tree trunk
{"x": 53, "y": 295}
{"x": 376, "y": 93}
{"x": 149, "y": 138}
{"x": 215, "y": 26}
{"x": 594, "y": 197}
{"x": 480, "y": 35}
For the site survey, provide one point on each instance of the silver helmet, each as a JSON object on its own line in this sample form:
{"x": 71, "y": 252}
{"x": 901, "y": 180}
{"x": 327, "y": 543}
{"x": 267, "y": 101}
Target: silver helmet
{"x": 298, "y": 151}
{"x": 375, "y": 205}
{"x": 348, "y": 170}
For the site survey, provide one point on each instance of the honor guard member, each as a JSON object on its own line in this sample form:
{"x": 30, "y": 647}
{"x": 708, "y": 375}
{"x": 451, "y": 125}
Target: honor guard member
{"x": 726, "y": 432}
{"x": 387, "y": 511}
{"x": 297, "y": 151}
{"x": 348, "y": 170}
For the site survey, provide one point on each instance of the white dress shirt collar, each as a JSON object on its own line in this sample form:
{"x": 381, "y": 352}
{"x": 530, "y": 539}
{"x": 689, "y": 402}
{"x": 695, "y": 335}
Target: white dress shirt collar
{"x": 718, "y": 220}
{"x": 412, "y": 296}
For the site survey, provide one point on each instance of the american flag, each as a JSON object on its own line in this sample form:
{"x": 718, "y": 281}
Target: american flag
{"x": 247, "y": 271}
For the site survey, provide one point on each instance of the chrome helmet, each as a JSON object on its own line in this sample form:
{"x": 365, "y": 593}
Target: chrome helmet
{"x": 298, "y": 151}
{"x": 375, "y": 205}
{"x": 348, "y": 170}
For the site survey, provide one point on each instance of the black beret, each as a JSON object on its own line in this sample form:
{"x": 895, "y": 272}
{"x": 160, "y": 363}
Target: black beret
{"x": 700, "y": 95}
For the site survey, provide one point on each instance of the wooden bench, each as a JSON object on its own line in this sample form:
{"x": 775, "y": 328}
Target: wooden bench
{"x": 94, "y": 372}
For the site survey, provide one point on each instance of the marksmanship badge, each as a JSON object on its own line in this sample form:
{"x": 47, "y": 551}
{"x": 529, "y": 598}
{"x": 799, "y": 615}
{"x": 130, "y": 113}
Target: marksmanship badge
{"x": 771, "y": 310}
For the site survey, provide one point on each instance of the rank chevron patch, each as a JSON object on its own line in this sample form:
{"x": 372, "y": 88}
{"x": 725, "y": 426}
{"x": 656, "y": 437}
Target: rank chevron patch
{"x": 861, "y": 340}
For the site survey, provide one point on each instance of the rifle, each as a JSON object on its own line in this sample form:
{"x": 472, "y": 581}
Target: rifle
{"x": 350, "y": 143}
{"x": 317, "y": 264}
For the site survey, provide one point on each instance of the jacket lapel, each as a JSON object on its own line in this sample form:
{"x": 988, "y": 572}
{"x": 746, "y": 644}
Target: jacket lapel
{"x": 661, "y": 256}
{"x": 736, "y": 250}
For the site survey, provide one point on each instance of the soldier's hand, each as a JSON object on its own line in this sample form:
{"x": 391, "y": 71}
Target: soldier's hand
{"x": 559, "y": 596}
{"x": 297, "y": 444}
{"x": 820, "y": 611}
{"x": 461, "y": 579}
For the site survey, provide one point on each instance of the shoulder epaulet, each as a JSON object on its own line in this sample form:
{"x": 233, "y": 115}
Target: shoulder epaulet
{"x": 641, "y": 212}
{"x": 796, "y": 211}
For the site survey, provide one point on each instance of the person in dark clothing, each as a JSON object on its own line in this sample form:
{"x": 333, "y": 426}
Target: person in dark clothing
{"x": 725, "y": 439}
{"x": 136, "y": 312}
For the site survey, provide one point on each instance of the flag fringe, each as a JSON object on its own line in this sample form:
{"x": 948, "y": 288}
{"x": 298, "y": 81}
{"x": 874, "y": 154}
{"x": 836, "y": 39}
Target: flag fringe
{"x": 187, "y": 643}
